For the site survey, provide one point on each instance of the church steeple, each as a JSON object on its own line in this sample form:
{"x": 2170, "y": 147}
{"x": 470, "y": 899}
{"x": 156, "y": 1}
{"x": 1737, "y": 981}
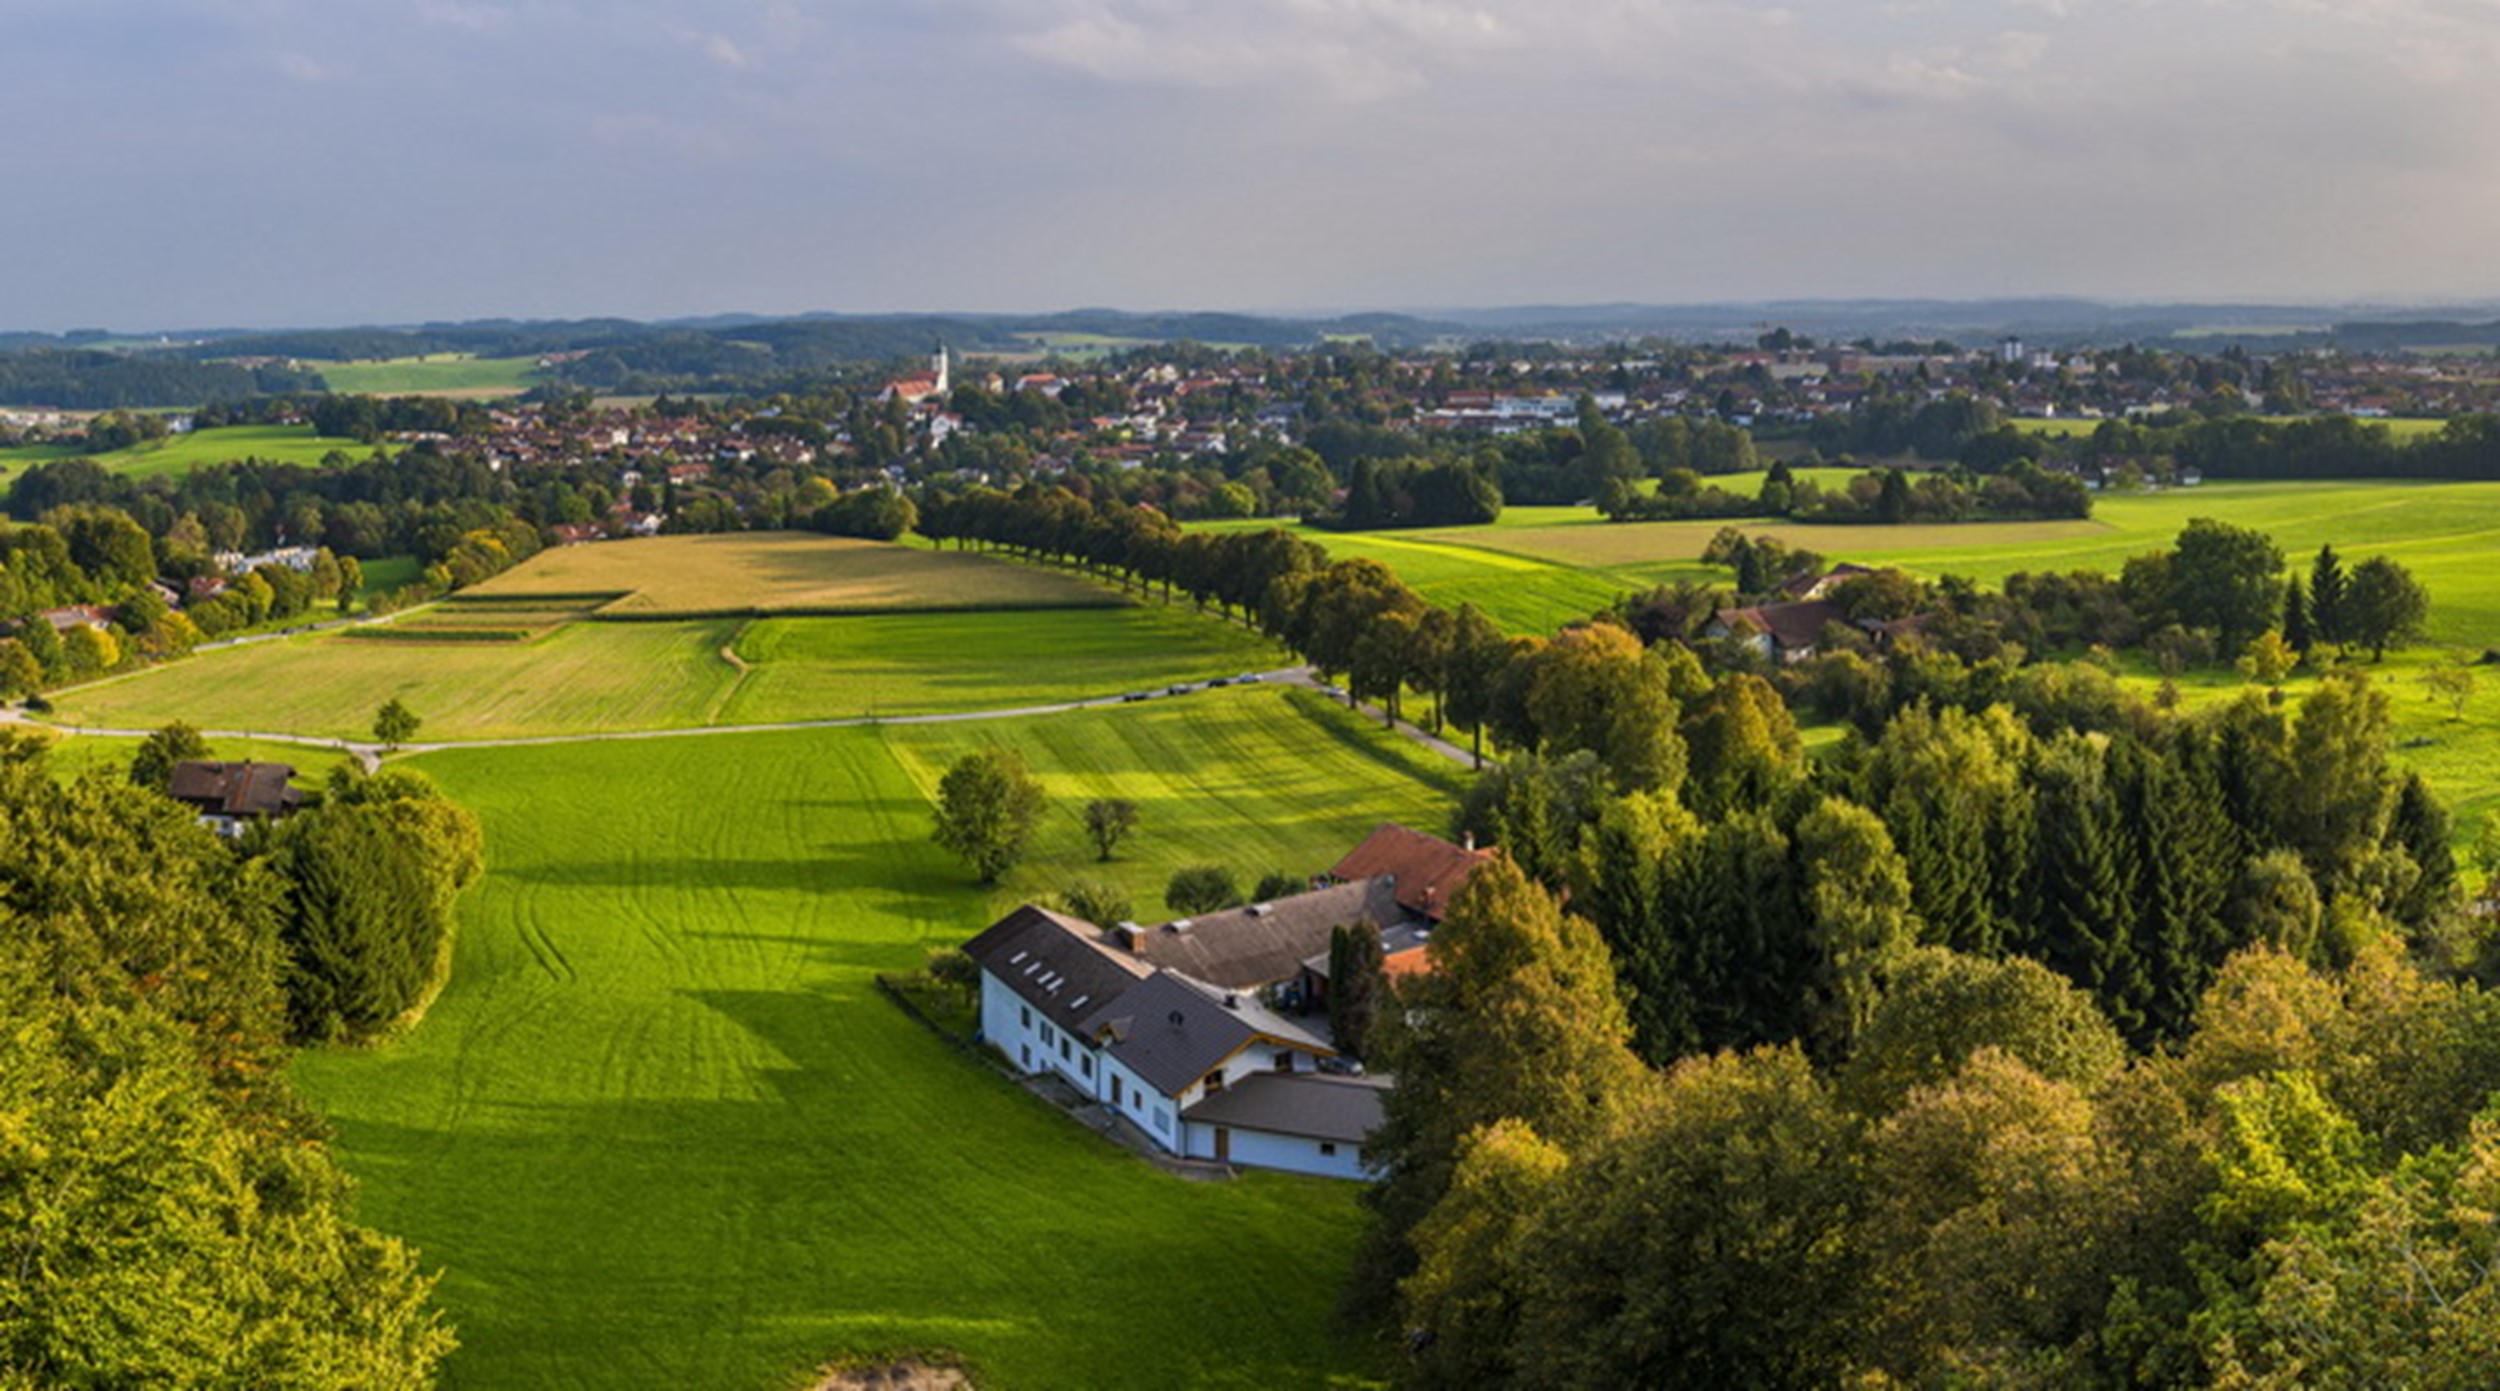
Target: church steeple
{"x": 939, "y": 362}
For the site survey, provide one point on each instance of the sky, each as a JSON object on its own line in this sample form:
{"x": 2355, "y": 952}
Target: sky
{"x": 198, "y": 163}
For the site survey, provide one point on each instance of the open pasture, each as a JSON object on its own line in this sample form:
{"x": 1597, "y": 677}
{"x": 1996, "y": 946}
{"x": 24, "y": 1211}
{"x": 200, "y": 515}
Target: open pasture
{"x": 459, "y": 375}
{"x": 1538, "y": 567}
{"x": 661, "y": 1132}
{"x": 785, "y": 571}
{"x": 2403, "y": 429}
{"x": 578, "y": 679}
{"x": 518, "y": 670}
{"x": 812, "y": 668}
{"x": 176, "y": 455}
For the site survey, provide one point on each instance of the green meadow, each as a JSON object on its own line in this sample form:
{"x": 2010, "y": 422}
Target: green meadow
{"x": 2402, "y": 428}
{"x": 175, "y": 455}
{"x": 593, "y": 677}
{"x": 661, "y": 1132}
{"x": 1541, "y": 566}
{"x": 436, "y": 374}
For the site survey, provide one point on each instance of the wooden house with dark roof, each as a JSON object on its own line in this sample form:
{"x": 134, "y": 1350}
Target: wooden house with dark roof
{"x": 230, "y": 796}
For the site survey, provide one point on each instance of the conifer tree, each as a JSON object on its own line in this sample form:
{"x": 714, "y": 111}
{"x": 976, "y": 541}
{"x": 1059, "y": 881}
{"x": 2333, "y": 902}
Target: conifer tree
{"x": 2184, "y": 852}
{"x": 2326, "y": 596}
{"x": 2419, "y": 827}
{"x": 2087, "y": 918}
{"x": 2299, "y": 629}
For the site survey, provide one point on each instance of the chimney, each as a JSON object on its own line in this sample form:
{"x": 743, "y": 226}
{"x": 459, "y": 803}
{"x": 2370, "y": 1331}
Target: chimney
{"x": 1132, "y": 937}
{"x": 1232, "y": 1001}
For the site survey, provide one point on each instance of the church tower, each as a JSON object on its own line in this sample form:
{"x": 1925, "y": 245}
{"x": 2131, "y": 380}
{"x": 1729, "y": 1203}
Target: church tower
{"x": 939, "y": 362}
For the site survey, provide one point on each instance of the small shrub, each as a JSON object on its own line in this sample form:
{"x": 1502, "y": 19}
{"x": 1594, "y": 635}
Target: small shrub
{"x": 1201, "y": 889}
{"x": 1095, "y": 901}
{"x": 1278, "y": 884}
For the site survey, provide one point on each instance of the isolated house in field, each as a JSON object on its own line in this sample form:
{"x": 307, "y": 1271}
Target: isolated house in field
{"x": 1207, "y": 1034}
{"x": 230, "y": 796}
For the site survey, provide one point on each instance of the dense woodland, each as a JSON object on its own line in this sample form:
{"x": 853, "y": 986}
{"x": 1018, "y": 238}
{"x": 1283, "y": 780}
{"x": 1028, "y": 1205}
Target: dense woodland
{"x": 169, "y": 1215}
{"x": 2037, "y": 1036}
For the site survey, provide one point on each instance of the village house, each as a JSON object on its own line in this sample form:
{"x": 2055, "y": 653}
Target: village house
{"x": 1209, "y": 1035}
{"x": 231, "y": 796}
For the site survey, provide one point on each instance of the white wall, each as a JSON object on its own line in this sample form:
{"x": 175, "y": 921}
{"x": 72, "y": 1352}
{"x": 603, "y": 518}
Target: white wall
{"x": 1260, "y": 1149}
{"x": 1031, "y": 1042}
{"x": 1147, "y": 1109}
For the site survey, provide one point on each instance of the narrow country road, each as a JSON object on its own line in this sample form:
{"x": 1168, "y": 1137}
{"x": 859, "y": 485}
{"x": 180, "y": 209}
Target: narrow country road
{"x": 370, "y": 754}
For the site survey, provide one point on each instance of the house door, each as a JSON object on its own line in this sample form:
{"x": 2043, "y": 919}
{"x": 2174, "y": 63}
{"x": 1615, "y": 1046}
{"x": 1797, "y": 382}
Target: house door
{"x": 1223, "y": 1145}
{"x": 1115, "y": 1093}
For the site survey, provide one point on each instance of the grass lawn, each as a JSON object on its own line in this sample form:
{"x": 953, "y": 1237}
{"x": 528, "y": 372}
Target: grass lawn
{"x": 551, "y": 676}
{"x": 661, "y": 1132}
{"x": 2404, "y": 429}
{"x": 78, "y": 756}
{"x": 179, "y": 454}
{"x": 1539, "y": 566}
{"x": 590, "y": 676}
{"x": 808, "y": 668}
{"x": 437, "y": 374}
{"x": 786, "y": 570}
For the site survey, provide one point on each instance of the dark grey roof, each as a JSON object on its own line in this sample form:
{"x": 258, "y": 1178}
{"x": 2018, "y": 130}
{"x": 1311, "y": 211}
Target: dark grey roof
{"x": 1263, "y": 943}
{"x": 1171, "y": 1030}
{"x": 235, "y": 789}
{"x": 1314, "y": 1105}
{"x": 1057, "y": 964}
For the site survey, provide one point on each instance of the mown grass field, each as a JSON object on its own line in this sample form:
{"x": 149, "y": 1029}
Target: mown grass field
{"x": 765, "y": 571}
{"x": 1541, "y": 566}
{"x": 937, "y": 663}
{"x": 82, "y": 756}
{"x": 583, "y": 678}
{"x": 2402, "y": 428}
{"x": 462, "y": 375}
{"x": 660, "y": 1132}
{"x": 580, "y": 679}
{"x": 179, "y": 454}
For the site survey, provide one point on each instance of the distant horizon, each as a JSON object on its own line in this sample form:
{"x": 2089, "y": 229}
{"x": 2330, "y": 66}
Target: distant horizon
{"x": 2366, "y": 306}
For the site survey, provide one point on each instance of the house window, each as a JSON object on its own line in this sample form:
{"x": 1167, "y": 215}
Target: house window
{"x": 1116, "y": 1098}
{"x": 1063, "y": 1050}
{"x": 1028, "y": 1017}
{"x": 1163, "y": 1120}
{"x": 1327, "y": 1150}
{"x": 1284, "y": 1060}
{"x": 1088, "y": 1064}
{"x": 1028, "y": 1057}
{"x": 1215, "y": 1081}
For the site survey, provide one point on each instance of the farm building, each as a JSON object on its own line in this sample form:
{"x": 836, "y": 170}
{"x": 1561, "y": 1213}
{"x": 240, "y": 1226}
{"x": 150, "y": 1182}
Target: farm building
{"x": 1208, "y": 1034}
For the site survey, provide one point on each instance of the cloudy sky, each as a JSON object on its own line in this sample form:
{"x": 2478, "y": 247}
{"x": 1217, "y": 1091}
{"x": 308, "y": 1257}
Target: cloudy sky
{"x": 211, "y": 162}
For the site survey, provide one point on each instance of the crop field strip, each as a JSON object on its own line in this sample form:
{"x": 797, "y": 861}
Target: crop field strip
{"x": 764, "y": 572}
{"x": 660, "y": 1132}
{"x": 179, "y": 454}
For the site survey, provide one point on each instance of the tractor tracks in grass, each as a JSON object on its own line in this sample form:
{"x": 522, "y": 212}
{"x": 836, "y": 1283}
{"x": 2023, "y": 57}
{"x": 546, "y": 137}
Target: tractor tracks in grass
{"x": 370, "y": 754}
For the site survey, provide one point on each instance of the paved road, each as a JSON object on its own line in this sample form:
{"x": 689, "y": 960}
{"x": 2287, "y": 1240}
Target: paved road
{"x": 370, "y": 754}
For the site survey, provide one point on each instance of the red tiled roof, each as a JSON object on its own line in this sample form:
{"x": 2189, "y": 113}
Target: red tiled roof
{"x": 1427, "y": 869}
